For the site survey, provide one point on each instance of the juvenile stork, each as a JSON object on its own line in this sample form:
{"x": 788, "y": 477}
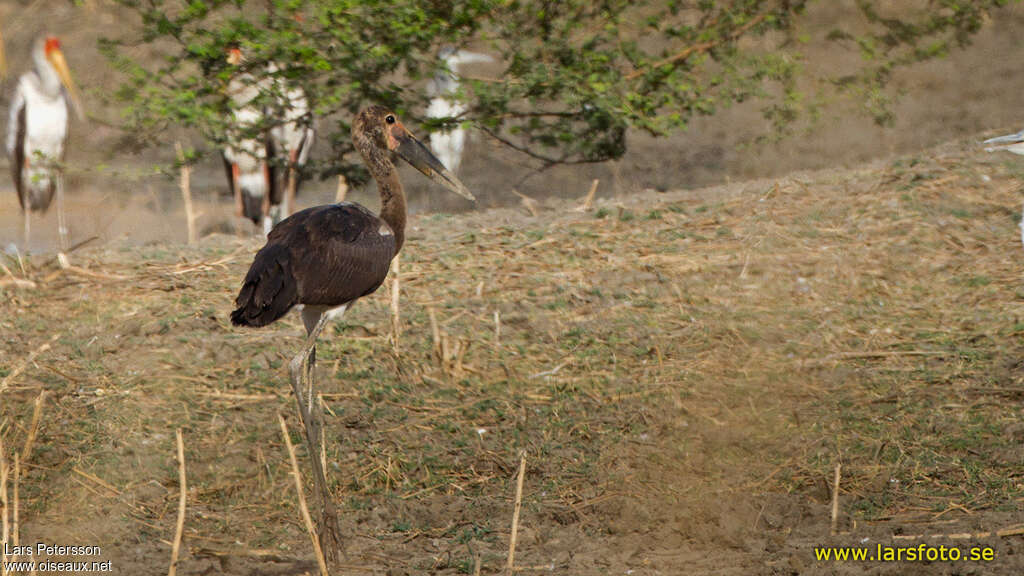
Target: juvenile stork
{"x": 326, "y": 257}
{"x": 37, "y": 134}
{"x": 449, "y": 143}
{"x": 1010, "y": 143}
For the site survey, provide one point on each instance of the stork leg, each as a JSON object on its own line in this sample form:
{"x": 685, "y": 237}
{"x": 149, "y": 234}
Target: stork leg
{"x": 28, "y": 226}
{"x": 236, "y": 190}
{"x": 293, "y": 183}
{"x": 62, "y": 225}
{"x": 268, "y": 223}
{"x": 304, "y": 386}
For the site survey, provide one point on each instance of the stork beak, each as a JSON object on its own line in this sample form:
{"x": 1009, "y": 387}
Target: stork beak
{"x": 56, "y": 58}
{"x": 1018, "y": 137}
{"x": 416, "y": 154}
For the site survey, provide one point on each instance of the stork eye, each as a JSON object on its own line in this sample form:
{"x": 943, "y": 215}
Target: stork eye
{"x": 390, "y": 119}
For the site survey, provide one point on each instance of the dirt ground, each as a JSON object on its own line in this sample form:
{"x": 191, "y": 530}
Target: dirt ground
{"x": 683, "y": 371}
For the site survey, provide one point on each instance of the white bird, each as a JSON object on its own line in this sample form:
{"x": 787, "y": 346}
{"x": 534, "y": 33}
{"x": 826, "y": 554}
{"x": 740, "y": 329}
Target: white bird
{"x": 37, "y": 134}
{"x": 245, "y": 156}
{"x": 292, "y": 136}
{"x": 448, "y": 144}
{"x": 253, "y": 155}
{"x": 1011, "y": 143}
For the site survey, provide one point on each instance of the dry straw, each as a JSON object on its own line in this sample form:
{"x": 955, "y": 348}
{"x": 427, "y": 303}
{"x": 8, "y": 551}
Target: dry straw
{"x": 182, "y": 498}
{"x": 510, "y": 569}
{"x": 306, "y": 519}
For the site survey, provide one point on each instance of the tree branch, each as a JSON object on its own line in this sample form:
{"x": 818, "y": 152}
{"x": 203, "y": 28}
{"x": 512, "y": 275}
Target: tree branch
{"x": 698, "y": 48}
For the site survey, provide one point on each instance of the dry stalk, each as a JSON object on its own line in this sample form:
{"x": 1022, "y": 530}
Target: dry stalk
{"x": 588, "y": 200}
{"x": 835, "y": 499}
{"x": 15, "y": 530}
{"x": 529, "y": 203}
{"x": 497, "y": 329}
{"x": 342, "y": 191}
{"x": 33, "y": 429}
{"x": 4, "y": 510}
{"x": 435, "y": 331}
{"x": 13, "y": 280}
{"x": 186, "y": 193}
{"x": 26, "y": 361}
{"x": 510, "y": 569}
{"x": 395, "y": 292}
{"x": 302, "y": 499}
{"x": 182, "y": 496}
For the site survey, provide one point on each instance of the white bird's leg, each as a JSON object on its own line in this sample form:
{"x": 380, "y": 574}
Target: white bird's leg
{"x": 303, "y": 384}
{"x": 28, "y": 225}
{"x": 62, "y": 225}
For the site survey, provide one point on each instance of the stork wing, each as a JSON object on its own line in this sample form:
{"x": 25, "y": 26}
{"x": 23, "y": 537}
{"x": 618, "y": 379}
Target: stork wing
{"x": 16, "y": 145}
{"x": 339, "y": 252}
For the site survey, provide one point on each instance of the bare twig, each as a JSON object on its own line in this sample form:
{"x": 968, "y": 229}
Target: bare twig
{"x": 435, "y": 331}
{"x": 835, "y": 499}
{"x": 13, "y": 280}
{"x": 33, "y": 429}
{"x": 529, "y": 203}
{"x": 515, "y": 515}
{"x": 588, "y": 201}
{"x": 15, "y": 529}
{"x": 697, "y": 48}
{"x": 395, "y": 295}
{"x": 4, "y": 508}
{"x": 182, "y": 497}
{"x": 306, "y": 519}
{"x": 186, "y": 193}
{"x": 342, "y": 191}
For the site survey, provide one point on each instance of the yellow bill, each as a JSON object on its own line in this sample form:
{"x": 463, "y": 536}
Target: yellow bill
{"x": 56, "y": 58}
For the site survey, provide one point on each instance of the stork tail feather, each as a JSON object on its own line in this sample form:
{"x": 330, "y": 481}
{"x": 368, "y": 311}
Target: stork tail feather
{"x": 269, "y": 290}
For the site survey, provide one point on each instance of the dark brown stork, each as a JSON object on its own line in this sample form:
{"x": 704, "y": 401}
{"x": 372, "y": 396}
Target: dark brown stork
{"x": 326, "y": 257}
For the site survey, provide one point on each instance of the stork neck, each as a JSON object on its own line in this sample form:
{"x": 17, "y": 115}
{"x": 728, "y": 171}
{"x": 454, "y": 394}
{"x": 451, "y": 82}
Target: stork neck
{"x": 392, "y": 199}
{"x": 49, "y": 82}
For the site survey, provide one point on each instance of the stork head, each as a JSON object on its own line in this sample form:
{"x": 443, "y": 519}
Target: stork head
{"x": 381, "y": 129}
{"x": 234, "y": 55}
{"x": 55, "y": 56}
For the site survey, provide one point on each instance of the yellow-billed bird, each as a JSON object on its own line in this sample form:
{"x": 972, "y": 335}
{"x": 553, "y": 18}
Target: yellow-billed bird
{"x": 37, "y": 134}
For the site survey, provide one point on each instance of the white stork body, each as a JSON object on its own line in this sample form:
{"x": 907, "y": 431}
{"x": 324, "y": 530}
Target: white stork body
{"x": 449, "y": 144}
{"x": 41, "y": 136}
{"x": 37, "y": 133}
{"x": 293, "y": 136}
{"x": 253, "y": 156}
{"x": 245, "y": 156}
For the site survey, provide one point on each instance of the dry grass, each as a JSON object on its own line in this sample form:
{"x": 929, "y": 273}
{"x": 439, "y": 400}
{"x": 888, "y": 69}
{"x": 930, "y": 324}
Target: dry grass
{"x": 685, "y": 371}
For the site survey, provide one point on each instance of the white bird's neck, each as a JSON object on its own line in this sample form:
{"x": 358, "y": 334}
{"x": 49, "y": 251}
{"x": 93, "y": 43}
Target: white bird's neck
{"x": 49, "y": 81}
